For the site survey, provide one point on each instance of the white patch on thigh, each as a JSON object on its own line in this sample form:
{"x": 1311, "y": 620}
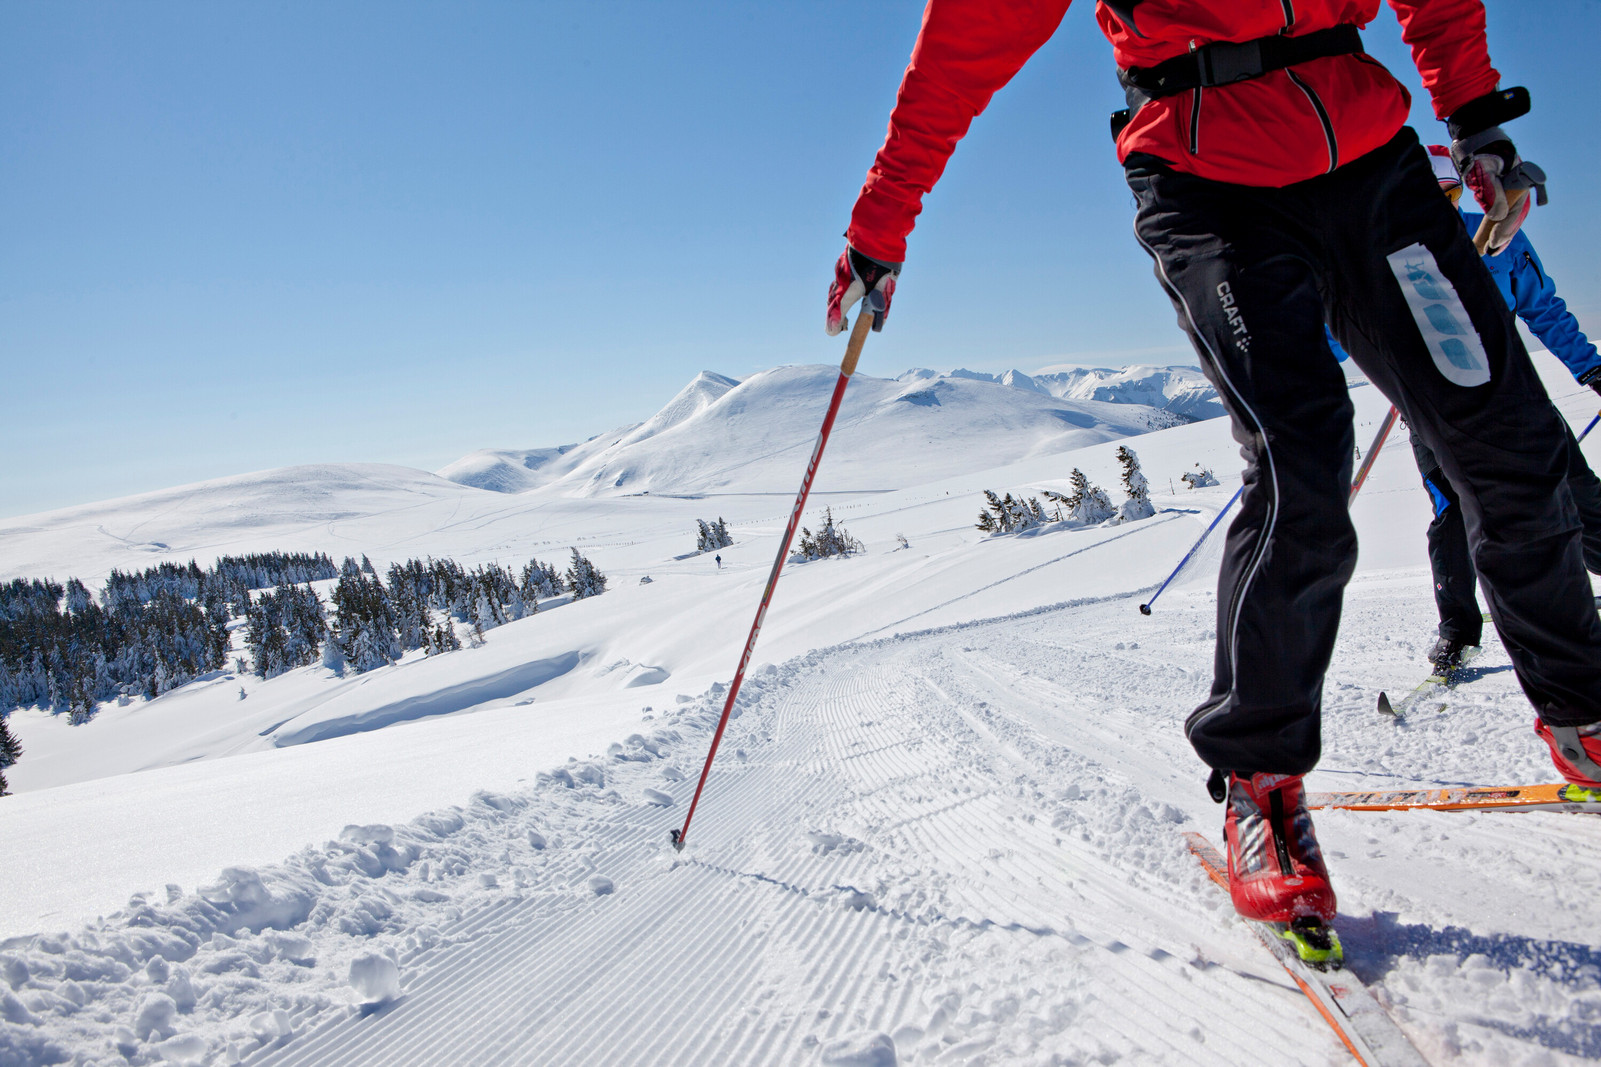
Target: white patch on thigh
{"x": 1441, "y": 318}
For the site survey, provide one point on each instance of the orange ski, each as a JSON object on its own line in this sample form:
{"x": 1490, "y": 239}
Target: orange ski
{"x": 1363, "y": 1027}
{"x": 1560, "y": 797}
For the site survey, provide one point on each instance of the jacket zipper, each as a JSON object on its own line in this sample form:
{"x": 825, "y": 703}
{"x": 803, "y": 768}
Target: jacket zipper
{"x": 1195, "y": 121}
{"x": 1322, "y": 115}
{"x": 1289, "y": 15}
{"x": 1538, "y": 273}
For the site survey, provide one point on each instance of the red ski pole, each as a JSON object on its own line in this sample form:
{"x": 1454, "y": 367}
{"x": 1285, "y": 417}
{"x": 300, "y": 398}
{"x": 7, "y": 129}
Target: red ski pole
{"x": 847, "y": 367}
{"x": 1373, "y": 453}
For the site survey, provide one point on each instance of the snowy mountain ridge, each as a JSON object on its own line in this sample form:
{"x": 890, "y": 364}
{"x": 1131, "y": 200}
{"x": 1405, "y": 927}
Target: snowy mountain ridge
{"x": 1182, "y": 390}
{"x": 706, "y": 438}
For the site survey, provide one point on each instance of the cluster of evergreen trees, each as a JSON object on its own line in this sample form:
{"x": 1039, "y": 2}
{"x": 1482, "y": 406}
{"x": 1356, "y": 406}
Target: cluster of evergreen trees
{"x": 229, "y": 582}
{"x": 830, "y": 540}
{"x": 713, "y": 535}
{"x": 65, "y": 649}
{"x": 1009, "y": 515}
{"x": 376, "y": 622}
{"x": 1084, "y": 503}
{"x": 284, "y": 629}
{"x": 62, "y": 649}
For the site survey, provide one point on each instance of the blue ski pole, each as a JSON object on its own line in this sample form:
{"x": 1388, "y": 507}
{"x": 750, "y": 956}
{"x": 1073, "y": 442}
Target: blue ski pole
{"x": 1590, "y": 427}
{"x": 1145, "y": 609}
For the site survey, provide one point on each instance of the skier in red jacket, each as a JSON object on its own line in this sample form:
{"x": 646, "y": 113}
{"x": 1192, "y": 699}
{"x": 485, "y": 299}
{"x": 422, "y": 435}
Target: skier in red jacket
{"x": 1277, "y": 187}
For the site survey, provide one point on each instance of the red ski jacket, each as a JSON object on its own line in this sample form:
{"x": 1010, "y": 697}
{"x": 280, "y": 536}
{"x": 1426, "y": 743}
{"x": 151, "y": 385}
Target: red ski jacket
{"x": 1282, "y": 127}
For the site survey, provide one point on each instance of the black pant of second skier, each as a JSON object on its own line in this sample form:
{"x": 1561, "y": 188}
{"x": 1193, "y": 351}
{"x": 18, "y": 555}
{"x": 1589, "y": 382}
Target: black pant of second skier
{"x": 1449, "y": 560}
{"x": 1375, "y": 250}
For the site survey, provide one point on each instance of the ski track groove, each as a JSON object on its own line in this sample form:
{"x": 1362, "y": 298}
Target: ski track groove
{"x": 947, "y": 864}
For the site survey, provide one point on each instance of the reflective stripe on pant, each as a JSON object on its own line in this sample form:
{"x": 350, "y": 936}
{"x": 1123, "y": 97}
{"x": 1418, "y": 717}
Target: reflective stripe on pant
{"x": 1375, "y": 250}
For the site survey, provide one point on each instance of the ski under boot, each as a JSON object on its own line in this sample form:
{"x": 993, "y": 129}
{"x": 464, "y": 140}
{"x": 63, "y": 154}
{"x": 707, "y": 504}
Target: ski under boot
{"x": 1276, "y": 871}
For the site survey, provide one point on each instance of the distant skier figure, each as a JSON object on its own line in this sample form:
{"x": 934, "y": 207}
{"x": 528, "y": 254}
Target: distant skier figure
{"x": 1277, "y": 188}
{"x": 1530, "y": 292}
{"x": 719, "y": 560}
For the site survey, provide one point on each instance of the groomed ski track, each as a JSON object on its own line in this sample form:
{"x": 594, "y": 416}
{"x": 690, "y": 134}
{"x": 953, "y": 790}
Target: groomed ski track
{"x": 962, "y": 846}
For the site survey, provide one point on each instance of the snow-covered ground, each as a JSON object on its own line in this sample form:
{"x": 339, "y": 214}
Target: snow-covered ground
{"x": 942, "y": 829}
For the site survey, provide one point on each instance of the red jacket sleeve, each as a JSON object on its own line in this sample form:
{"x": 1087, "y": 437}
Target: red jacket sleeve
{"x": 966, "y": 51}
{"x": 1448, "y": 46}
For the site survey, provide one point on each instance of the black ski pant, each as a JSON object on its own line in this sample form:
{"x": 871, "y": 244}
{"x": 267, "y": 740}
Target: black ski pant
{"x": 1449, "y": 559}
{"x": 1375, "y": 250}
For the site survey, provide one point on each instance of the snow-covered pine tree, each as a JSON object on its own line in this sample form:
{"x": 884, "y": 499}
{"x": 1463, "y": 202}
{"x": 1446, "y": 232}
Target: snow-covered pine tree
{"x": 1199, "y": 478}
{"x": 10, "y": 752}
{"x": 540, "y": 580}
{"x": 830, "y": 540}
{"x": 583, "y": 580}
{"x": 1086, "y": 503}
{"x": 713, "y": 535}
{"x": 1000, "y": 514}
{"x": 1138, "y": 505}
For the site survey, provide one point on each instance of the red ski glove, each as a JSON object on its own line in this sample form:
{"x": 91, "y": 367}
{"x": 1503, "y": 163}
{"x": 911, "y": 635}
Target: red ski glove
{"x": 857, "y": 277}
{"x": 1491, "y": 167}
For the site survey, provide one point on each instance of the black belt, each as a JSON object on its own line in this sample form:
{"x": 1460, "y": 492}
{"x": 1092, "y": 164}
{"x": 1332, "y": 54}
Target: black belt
{"x": 1226, "y": 62}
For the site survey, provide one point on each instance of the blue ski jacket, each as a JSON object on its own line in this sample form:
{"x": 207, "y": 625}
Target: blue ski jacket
{"x": 1530, "y": 292}
{"x": 1532, "y": 296}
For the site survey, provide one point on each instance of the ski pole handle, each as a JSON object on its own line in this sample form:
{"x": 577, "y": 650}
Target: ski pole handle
{"x": 859, "y": 332}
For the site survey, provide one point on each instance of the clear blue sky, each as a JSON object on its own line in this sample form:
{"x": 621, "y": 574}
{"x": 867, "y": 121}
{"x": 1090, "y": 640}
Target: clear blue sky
{"x": 243, "y": 235}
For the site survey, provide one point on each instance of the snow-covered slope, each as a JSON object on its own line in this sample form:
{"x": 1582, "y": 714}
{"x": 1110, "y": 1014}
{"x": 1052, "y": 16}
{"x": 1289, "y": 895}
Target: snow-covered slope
{"x": 757, "y": 436}
{"x": 506, "y": 470}
{"x": 1180, "y": 390}
{"x": 942, "y": 828}
{"x": 720, "y": 435}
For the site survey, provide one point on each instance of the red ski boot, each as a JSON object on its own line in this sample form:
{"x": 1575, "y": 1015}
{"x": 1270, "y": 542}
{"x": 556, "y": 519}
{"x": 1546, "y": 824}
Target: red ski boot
{"x": 1576, "y": 750}
{"x": 1276, "y": 871}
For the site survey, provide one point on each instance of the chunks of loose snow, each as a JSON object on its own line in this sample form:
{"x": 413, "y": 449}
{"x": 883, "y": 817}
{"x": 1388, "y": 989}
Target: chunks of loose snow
{"x": 574, "y": 774}
{"x": 375, "y": 978}
{"x": 14, "y": 1011}
{"x": 861, "y": 1050}
{"x": 377, "y": 834}
{"x": 293, "y": 947}
{"x": 255, "y": 905}
{"x": 156, "y": 1014}
{"x": 14, "y": 970}
{"x": 657, "y": 797}
{"x": 825, "y": 841}
{"x": 188, "y": 1049}
{"x": 269, "y": 1026}
{"x": 536, "y": 839}
{"x": 600, "y": 885}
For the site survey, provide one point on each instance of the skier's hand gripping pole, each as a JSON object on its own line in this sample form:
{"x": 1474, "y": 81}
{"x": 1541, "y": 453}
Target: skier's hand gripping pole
{"x": 847, "y": 367}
